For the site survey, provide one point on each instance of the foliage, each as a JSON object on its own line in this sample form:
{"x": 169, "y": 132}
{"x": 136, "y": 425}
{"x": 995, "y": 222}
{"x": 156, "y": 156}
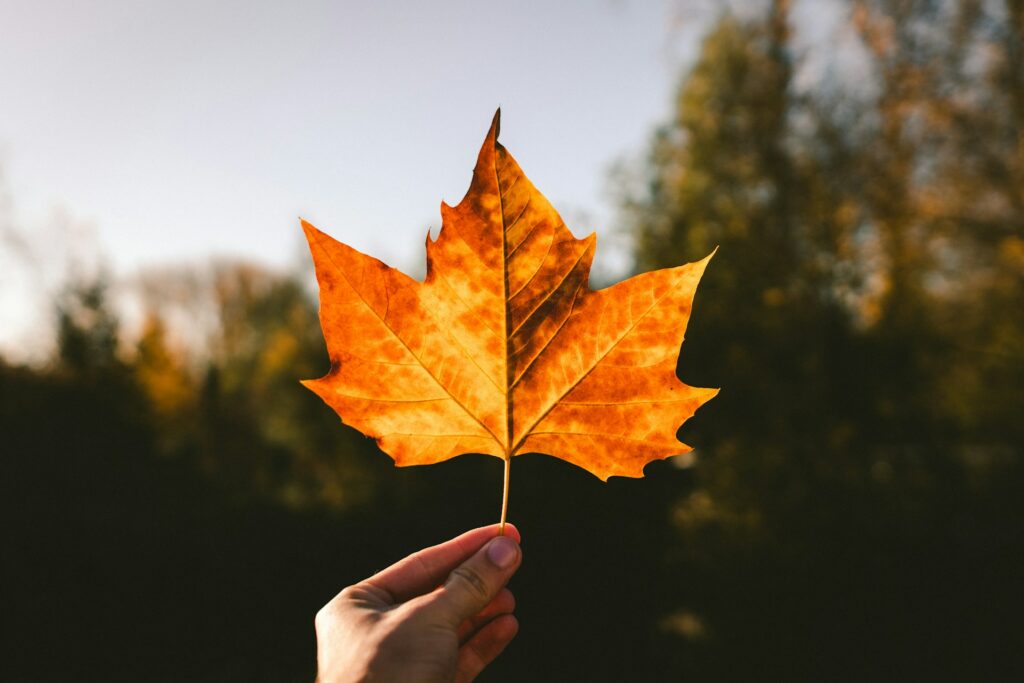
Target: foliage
{"x": 504, "y": 349}
{"x": 865, "y": 294}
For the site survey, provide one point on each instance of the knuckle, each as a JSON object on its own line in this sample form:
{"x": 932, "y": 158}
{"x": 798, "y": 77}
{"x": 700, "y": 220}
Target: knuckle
{"x": 324, "y": 617}
{"x": 347, "y": 593}
{"x": 470, "y": 580}
{"x": 331, "y": 612}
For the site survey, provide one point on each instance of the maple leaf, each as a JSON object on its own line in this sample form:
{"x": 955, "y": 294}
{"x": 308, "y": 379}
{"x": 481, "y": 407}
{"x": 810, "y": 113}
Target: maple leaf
{"x": 504, "y": 349}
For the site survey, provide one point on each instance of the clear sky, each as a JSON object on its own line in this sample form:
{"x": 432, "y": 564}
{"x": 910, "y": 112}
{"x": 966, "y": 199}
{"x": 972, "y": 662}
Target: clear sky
{"x": 185, "y": 129}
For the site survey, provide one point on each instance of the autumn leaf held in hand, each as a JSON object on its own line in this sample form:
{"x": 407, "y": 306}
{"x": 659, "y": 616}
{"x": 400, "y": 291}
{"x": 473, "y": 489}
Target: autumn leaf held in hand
{"x": 504, "y": 349}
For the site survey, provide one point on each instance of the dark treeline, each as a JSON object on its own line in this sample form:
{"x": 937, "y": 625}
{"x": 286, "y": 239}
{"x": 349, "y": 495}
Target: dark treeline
{"x": 857, "y": 511}
{"x": 178, "y": 512}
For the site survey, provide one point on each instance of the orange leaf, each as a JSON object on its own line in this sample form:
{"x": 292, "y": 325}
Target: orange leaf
{"x": 504, "y": 349}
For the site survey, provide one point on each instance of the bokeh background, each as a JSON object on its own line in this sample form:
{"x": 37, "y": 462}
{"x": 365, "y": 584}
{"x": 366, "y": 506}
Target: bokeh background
{"x": 175, "y": 506}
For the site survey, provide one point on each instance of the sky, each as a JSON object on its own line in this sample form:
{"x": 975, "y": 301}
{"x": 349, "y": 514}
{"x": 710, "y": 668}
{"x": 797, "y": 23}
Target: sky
{"x": 155, "y": 132}
{"x": 151, "y": 133}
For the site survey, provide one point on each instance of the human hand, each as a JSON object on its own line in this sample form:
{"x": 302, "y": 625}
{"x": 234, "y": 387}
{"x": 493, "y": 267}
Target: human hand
{"x": 401, "y": 624}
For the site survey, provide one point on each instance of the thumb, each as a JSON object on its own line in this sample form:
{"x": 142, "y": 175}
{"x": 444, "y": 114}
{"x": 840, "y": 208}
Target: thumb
{"x": 472, "y": 585}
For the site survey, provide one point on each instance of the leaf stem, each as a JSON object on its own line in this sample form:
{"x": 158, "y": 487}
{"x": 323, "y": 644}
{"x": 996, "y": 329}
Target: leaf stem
{"x": 504, "y": 496}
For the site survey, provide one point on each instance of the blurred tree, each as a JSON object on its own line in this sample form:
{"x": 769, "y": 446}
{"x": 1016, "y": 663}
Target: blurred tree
{"x": 163, "y": 374}
{"x": 852, "y": 324}
{"x": 87, "y": 328}
{"x": 160, "y": 369}
{"x": 951, "y": 208}
{"x": 232, "y": 403}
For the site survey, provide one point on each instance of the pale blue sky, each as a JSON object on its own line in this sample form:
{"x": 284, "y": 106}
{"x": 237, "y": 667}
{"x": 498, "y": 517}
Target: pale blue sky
{"x": 183, "y": 129}
{"x": 178, "y": 130}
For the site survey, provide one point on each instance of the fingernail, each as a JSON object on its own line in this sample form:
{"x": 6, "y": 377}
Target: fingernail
{"x": 502, "y": 552}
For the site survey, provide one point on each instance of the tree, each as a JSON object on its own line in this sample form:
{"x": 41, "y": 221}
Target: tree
{"x": 855, "y": 325}
{"x": 87, "y": 329}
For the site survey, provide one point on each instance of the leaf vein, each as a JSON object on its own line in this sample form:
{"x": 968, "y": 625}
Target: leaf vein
{"x": 611, "y": 347}
{"x": 550, "y": 339}
{"x": 550, "y": 291}
{"x": 402, "y": 341}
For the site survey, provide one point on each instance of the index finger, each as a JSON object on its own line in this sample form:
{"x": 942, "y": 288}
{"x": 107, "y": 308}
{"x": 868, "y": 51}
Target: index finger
{"x": 426, "y": 569}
